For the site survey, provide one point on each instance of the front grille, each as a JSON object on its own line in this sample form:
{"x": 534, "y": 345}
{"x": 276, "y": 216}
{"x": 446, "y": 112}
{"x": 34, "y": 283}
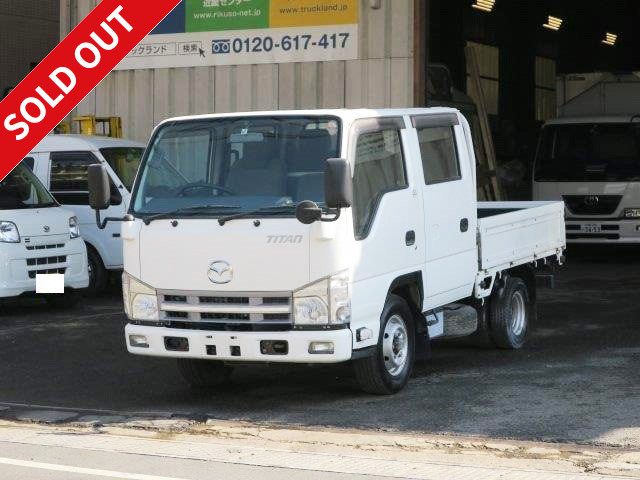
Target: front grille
{"x": 592, "y": 204}
{"x": 244, "y": 312}
{"x": 225, "y": 316}
{"x": 45, "y": 265}
{"x": 234, "y": 300}
{"x": 33, "y": 273}
{"x": 45, "y": 247}
{"x": 46, "y": 260}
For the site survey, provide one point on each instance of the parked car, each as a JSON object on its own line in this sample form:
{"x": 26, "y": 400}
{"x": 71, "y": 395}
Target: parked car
{"x": 37, "y": 236}
{"x": 322, "y": 236}
{"x": 61, "y": 162}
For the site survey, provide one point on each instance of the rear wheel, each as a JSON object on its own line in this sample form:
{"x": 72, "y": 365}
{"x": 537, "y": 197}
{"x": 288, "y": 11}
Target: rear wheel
{"x": 389, "y": 368}
{"x": 509, "y": 314}
{"x": 204, "y": 373}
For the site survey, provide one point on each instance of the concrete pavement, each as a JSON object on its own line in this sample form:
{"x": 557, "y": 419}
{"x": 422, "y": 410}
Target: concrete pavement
{"x": 56, "y": 453}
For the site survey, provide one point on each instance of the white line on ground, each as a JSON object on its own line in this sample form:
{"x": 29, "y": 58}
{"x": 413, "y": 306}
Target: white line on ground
{"x": 84, "y": 471}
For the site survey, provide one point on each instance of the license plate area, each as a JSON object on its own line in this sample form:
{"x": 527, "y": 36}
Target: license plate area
{"x": 590, "y": 228}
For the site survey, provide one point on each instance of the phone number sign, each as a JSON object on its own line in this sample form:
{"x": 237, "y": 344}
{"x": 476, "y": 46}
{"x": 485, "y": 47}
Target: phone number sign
{"x": 236, "y": 32}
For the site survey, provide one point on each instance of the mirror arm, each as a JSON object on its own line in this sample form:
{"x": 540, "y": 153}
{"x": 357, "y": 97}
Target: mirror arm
{"x": 102, "y": 223}
{"x": 336, "y": 216}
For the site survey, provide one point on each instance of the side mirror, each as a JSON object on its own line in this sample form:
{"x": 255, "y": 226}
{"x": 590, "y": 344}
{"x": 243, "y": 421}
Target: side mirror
{"x": 99, "y": 189}
{"x": 338, "y": 189}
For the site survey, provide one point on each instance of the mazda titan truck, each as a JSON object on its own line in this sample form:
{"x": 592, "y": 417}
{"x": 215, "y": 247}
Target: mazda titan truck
{"x": 322, "y": 236}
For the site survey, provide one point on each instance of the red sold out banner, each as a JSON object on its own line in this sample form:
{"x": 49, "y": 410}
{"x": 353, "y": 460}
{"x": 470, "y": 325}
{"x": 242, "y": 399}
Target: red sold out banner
{"x": 69, "y": 73}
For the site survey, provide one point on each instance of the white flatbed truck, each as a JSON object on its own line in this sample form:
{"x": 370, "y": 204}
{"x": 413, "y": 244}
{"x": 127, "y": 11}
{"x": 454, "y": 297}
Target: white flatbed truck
{"x": 322, "y": 236}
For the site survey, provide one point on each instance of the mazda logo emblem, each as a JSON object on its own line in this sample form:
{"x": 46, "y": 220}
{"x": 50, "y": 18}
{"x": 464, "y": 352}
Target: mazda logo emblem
{"x": 591, "y": 200}
{"x": 220, "y": 272}
{"x": 46, "y": 229}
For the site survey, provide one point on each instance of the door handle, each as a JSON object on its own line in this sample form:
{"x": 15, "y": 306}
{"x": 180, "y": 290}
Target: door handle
{"x": 410, "y": 238}
{"x": 464, "y": 225}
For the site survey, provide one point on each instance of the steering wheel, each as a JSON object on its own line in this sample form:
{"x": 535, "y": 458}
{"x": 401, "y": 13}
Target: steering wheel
{"x": 204, "y": 186}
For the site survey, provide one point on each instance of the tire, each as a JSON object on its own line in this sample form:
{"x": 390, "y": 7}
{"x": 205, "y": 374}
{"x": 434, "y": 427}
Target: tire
{"x": 509, "y": 314}
{"x": 63, "y": 301}
{"x": 387, "y": 371}
{"x": 203, "y": 374}
{"x": 98, "y": 275}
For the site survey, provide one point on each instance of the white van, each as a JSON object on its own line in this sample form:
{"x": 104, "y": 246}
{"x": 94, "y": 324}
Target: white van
{"x": 61, "y": 162}
{"x": 37, "y": 237}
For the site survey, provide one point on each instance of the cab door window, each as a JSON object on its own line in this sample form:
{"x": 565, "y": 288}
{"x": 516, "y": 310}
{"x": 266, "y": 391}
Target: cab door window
{"x": 69, "y": 182}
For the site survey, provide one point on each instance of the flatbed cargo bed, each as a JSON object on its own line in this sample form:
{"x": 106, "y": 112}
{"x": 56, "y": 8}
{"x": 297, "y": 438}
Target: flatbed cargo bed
{"x": 516, "y": 233}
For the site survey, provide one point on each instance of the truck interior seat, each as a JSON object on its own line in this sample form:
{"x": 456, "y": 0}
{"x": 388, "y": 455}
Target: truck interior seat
{"x": 260, "y": 171}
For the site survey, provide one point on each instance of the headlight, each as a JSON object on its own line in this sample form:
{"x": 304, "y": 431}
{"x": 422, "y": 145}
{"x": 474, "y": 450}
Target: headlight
{"x": 9, "y": 232}
{"x": 632, "y": 212}
{"x": 74, "y": 229}
{"x": 325, "y": 302}
{"x": 140, "y": 300}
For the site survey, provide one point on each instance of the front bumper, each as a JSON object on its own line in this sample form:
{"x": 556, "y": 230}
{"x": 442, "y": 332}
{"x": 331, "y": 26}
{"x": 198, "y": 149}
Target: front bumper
{"x": 611, "y": 231}
{"x": 242, "y": 346}
{"x": 16, "y": 273}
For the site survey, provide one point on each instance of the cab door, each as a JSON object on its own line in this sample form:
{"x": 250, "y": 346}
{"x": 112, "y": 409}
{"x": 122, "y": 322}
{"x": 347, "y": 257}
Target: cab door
{"x": 68, "y": 183}
{"x": 449, "y": 197}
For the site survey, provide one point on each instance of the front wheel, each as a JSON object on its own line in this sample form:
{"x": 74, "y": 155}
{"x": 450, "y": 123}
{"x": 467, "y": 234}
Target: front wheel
{"x": 509, "y": 314}
{"x": 388, "y": 370}
{"x": 97, "y": 273}
{"x": 202, "y": 374}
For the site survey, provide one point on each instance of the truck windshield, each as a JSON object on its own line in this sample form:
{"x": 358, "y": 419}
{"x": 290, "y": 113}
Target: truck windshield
{"x": 124, "y": 161}
{"x": 605, "y": 152}
{"x": 238, "y": 164}
{"x": 21, "y": 189}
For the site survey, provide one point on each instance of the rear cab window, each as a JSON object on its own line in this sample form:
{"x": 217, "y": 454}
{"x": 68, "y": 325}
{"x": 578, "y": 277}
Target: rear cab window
{"x": 437, "y": 140}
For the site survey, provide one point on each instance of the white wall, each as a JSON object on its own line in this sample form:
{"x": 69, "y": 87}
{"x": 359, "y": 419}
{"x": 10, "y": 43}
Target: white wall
{"x": 381, "y": 77}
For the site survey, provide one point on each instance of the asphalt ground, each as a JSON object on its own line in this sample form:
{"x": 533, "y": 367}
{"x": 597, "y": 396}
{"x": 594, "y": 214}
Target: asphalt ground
{"x": 577, "y": 379}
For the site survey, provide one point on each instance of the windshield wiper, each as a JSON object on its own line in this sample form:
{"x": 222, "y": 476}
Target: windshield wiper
{"x": 183, "y": 210}
{"x": 272, "y": 210}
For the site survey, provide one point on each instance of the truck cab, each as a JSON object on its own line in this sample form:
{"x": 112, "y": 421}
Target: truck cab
{"x": 61, "y": 163}
{"x": 37, "y": 237}
{"x": 322, "y": 236}
{"x": 592, "y": 163}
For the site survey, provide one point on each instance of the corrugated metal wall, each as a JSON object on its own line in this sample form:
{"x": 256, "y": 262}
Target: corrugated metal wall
{"x": 382, "y": 77}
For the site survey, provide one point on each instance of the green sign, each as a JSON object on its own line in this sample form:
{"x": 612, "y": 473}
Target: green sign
{"x": 216, "y": 15}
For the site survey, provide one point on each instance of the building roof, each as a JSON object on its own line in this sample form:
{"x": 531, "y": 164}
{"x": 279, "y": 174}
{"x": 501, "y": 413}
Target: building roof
{"x": 70, "y": 143}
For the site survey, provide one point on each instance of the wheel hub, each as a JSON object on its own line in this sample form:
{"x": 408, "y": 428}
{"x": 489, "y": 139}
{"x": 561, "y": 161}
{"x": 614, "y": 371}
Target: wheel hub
{"x": 518, "y": 321}
{"x": 395, "y": 345}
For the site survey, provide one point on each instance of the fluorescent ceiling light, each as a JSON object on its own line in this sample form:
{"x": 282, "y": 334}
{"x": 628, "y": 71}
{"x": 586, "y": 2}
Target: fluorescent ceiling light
{"x": 610, "y": 39}
{"x": 554, "y": 23}
{"x": 484, "y": 5}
